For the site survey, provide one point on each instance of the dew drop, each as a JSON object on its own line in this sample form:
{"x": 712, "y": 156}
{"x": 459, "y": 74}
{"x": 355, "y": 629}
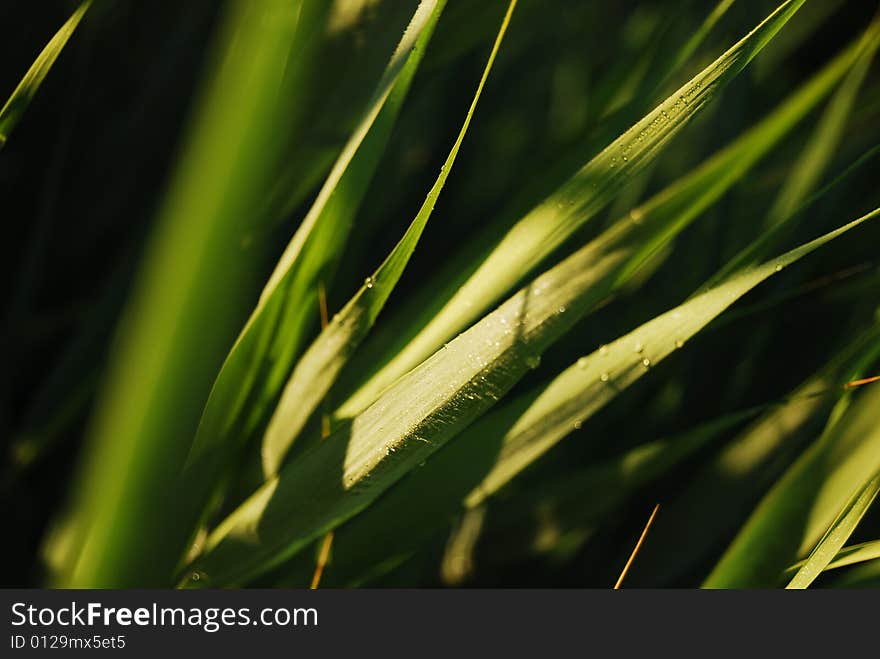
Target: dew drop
{"x": 778, "y": 267}
{"x": 561, "y": 309}
{"x": 577, "y": 425}
{"x": 583, "y": 362}
{"x": 679, "y": 343}
{"x": 533, "y": 361}
{"x": 196, "y": 576}
{"x": 636, "y": 215}
{"x": 646, "y": 362}
{"x": 604, "y": 377}
{"x": 368, "y": 282}
{"x": 639, "y": 347}
{"x": 603, "y": 350}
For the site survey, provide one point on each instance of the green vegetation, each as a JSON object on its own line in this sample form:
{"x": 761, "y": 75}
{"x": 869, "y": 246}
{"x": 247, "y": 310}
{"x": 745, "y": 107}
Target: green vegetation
{"x": 438, "y": 292}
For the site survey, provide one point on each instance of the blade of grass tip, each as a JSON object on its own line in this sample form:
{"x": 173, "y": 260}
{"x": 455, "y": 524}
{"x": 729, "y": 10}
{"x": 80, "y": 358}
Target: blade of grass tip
{"x": 790, "y": 204}
{"x": 801, "y": 506}
{"x": 435, "y": 401}
{"x": 259, "y": 362}
{"x": 836, "y": 535}
{"x": 696, "y": 39}
{"x": 481, "y": 282}
{"x": 319, "y": 367}
{"x": 15, "y": 106}
{"x": 176, "y": 327}
{"x": 635, "y": 550}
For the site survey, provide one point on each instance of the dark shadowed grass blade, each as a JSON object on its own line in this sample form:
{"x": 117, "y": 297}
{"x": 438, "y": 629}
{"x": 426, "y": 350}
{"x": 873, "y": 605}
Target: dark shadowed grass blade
{"x": 482, "y": 280}
{"x": 725, "y": 488}
{"x": 795, "y": 514}
{"x": 437, "y": 400}
{"x": 256, "y": 368}
{"x": 319, "y": 366}
{"x": 816, "y": 155}
{"x": 18, "y": 102}
{"x": 837, "y": 534}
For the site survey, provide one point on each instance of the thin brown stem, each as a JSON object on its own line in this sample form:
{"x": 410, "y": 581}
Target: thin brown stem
{"x": 638, "y": 546}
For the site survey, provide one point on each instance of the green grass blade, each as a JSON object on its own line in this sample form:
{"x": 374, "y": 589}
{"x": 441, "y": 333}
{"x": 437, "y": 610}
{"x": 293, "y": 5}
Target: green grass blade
{"x": 18, "y": 102}
{"x": 815, "y": 157}
{"x": 794, "y": 515}
{"x": 435, "y": 401}
{"x": 256, "y": 368}
{"x": 396, "y": 526}
{"x": 319, "y": 366}
{"x": 723, "y": 490}
{"x": 176, "y": 328}
{"x": 696, "y": 39}
{"x": 851, "y": 555}
{"x": 483, "y": 281}
{"x": 837, "y": 535}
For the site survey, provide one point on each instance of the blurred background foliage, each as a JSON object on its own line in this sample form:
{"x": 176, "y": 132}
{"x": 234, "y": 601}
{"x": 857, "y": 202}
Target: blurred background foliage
{"x": 83, "y": 177}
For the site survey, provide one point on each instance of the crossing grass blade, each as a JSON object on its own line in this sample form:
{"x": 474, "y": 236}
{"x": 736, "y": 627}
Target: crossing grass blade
{"x": 259, "y": 362}
{"x": 796, "y": 512}
{"x": 721, "y": 493}
{"x": 837, "y": 534}
{"x": 18, "y": 102}
{"x": 850, "y": 555}
{"x": 481, "y": 281}
{"x": 319, "y": 366}
{"x": 434, "y": 402}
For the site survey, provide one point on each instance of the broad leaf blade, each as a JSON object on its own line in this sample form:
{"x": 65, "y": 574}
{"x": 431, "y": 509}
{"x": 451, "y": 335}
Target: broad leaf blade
{"x": 319, "y": 366}
{"x": 255, "y": 369}
{"x": 482, "y": 280}
{"x": 435, "y": 401}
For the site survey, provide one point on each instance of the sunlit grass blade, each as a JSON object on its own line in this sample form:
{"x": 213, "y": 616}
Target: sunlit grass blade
{"x": 399, "y": 523}
{"x": 176, "y": 328}
{"x": 850, "y": 555}
{"x": 435, "y": 401}
{"x": 18, "y": 102}
{"x": 726, "y": 487}
{"x": 319, "y": 366}
{"x": 483, "y": 280}
{"x": 797, "y": 511}
{"x": 838, "y": 533}
{"x": 697, "y": 38}
{"x": 256, "y": 368}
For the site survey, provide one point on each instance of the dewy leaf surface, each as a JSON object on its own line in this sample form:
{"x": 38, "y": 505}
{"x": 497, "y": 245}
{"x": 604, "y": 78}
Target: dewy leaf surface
{"x": 435, "y": 401}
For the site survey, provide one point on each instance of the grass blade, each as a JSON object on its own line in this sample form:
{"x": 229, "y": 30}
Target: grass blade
{"x": 17, "y": 103}
{"x": 794, "y": 515}
{"x": 481, "y": 282}
{"x": 255, "y": 370}
{"x": 838, "y": 533}
{"x": 435, "y": 401}
{"x": 175, "y": 330}
{"x": 816, "y": 155}
{"x": 319, "y": 366}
